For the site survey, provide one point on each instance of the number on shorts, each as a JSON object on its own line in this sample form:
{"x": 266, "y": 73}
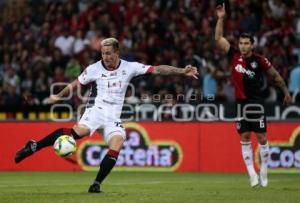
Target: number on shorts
{"x": 261, "y": 124}
{"x": 119, "y": 124}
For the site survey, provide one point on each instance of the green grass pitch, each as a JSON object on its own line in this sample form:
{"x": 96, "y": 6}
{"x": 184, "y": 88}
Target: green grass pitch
{"x": 145, "y": 187}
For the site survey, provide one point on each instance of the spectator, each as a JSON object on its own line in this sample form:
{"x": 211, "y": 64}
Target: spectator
{"x": 12, "y": 97}
{"x": 73, "y": 69}
{"x": 294, "y": 83}
{"x": 29, "y": 99}
{"x": 58, "y": 60}
{"x": 27, "y": 82}
{"x": 11, "y": 78}
{"x": 79, "y": 42}
{"x": 170, "y": 32}
{"x": 209, "y": 84}
{"x": 65, "y": 42}
{"x": 277, "y": 8}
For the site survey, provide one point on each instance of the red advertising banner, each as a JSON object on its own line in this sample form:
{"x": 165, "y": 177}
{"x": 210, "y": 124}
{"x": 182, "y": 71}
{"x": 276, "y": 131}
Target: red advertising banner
{"x": 166, "y": 146}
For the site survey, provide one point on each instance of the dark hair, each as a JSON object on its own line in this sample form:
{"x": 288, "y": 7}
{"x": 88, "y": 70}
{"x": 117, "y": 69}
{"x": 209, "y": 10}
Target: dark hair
{"x": 247, "y": 35}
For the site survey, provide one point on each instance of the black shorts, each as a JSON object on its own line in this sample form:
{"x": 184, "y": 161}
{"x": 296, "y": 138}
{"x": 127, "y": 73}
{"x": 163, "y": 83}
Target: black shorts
{"x": 251, "y": 117}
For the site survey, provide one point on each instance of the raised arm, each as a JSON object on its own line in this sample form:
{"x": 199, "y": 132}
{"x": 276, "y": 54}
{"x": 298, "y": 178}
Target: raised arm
{"x": 170, "y": 70}
{"x": 221, "y": 42}
{"x": 279, "y": 82}
{"x": 69, "y": 88}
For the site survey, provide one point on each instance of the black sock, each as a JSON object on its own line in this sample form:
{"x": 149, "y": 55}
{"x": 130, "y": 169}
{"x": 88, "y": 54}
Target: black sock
{"x": 106, "y": 165}
{"x": 50, "y": 139}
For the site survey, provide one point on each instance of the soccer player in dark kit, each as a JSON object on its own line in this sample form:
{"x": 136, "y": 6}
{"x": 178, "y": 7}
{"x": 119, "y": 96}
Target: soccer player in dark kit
{"x": 247, "y": 69}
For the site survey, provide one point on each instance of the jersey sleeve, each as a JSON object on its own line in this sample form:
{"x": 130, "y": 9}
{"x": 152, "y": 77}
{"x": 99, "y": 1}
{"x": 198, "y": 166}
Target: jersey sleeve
{"x": 87, "y": 76}
{"x": 141, "y": 69}
{"x": 265, "y": 63}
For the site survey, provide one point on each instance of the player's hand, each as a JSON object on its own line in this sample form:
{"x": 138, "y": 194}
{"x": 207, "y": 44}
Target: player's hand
{"x": 52, "y": 99}
{"x": 221, "y": 10}
{"x": 287, "y": 100}
{"x": 191, "y": 71}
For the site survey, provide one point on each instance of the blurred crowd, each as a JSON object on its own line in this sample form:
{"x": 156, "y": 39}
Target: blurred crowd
{"x": 53, "y": 41}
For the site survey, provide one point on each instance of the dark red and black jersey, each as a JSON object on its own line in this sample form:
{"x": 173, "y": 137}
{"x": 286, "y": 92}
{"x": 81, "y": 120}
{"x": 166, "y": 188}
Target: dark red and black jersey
{"x": 247, "y": 75}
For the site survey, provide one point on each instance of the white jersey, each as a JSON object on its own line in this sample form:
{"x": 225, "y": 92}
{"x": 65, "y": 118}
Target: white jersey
{"x": 109, "y": 87}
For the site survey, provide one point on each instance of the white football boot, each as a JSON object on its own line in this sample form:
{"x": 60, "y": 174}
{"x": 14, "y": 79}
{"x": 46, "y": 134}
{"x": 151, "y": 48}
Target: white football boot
{"x": 263, "y": 176}
{"x": 254, "y": 180}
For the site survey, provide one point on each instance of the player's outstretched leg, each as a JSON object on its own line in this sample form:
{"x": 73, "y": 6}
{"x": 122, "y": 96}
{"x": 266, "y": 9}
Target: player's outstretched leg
{"x": 33, "y": 146}
{"x": 107, "y": 163}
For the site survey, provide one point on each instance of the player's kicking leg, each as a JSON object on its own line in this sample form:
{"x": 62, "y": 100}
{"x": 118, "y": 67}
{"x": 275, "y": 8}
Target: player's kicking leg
{"x": 115, "y": 144}
{"x": 32, "y": 146}
{"x": 264, "y": 157}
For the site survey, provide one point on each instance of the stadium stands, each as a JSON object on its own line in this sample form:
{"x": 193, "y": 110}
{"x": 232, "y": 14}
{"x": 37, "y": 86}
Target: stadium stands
{"x": 42, "y": 42}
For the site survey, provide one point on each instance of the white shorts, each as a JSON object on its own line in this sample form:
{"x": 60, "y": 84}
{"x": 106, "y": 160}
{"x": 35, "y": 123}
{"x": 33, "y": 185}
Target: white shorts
{"x": 95, "y": 117}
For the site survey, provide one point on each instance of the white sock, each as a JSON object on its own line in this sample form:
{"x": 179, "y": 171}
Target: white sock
{"x": 264, "y": 156}
{"x": 248, "y": 157}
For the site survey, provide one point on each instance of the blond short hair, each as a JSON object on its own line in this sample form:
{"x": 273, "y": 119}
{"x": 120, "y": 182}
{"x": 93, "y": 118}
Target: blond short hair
{"x": 111, "y": 42}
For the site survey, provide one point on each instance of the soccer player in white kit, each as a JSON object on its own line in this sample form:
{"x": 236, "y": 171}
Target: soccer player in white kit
{"x": 110, "y": 77}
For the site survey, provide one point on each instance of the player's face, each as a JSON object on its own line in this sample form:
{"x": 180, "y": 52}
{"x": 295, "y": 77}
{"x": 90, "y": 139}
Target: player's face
{"x": 245, "y": 46}
{"x": 110, "y": 56}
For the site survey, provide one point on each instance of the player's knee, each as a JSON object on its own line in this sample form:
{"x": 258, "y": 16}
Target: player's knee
{"x": 64, "y": 131}
{"x": 246, "y": 137}
{"x": 116, "y": 142}
{"x": 261, "y": 138}
{"x": 81, "y": 130}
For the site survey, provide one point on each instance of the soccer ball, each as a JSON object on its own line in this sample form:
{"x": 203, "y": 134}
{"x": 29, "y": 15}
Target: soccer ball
{"x": 64, "y": 146}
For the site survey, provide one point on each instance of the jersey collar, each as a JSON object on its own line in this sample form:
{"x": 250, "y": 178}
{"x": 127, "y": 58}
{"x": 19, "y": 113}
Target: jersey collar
{"x": 107, "y": 68}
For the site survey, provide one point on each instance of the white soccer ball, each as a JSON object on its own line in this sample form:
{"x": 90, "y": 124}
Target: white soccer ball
{"x": 65, "y": 146}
